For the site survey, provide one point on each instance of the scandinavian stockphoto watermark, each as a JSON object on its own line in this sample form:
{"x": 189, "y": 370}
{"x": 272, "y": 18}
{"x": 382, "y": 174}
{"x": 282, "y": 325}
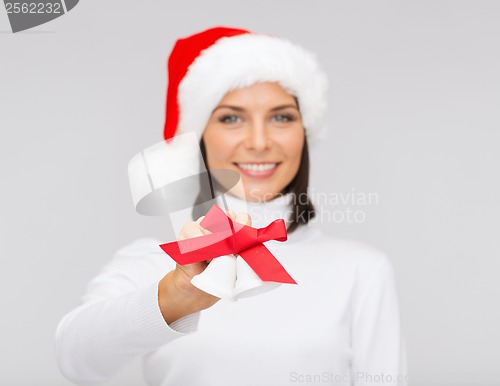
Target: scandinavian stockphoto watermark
{"x": 359, "y": 377}
{"x": 25, "y": 14}
{"x": 348, "y": 207}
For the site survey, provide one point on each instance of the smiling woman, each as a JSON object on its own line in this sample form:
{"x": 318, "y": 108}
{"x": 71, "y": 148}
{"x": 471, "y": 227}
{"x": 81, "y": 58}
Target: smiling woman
{"x": 266, "y": 144}
{"x": 258, "y": 132}
{"x": 255, "y": 101}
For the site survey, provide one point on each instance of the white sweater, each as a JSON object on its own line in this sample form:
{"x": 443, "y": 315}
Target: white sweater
{"x": 339, "y": 325}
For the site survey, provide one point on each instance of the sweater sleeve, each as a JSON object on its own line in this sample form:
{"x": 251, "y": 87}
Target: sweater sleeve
{"x": 118, "y": 319}
{"x": 378, "y": 348}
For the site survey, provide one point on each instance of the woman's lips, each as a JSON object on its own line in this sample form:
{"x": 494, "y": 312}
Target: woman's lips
{"x": 257, "y": 169}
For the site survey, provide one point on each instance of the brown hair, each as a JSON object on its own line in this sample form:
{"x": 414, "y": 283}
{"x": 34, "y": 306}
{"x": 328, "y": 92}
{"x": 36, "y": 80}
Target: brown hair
{"x": 302, "y": 207}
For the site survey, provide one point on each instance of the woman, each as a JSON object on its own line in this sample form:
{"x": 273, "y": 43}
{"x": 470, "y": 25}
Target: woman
{"x": 255, "y": 101}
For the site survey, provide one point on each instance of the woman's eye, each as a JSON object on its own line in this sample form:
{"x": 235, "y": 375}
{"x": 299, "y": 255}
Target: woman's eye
{"x": 229, "y": 119}
{"x": 284, "y": 118}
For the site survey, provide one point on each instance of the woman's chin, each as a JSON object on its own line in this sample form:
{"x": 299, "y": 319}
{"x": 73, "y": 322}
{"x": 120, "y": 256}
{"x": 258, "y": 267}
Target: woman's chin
{"x": 247, "y": 188}
{"x": 253, "y": 195}
{"x": 260, "y": 195}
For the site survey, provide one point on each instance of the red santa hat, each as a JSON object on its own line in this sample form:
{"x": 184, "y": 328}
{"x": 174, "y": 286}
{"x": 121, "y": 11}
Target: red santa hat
{"x": 203, "y": 67}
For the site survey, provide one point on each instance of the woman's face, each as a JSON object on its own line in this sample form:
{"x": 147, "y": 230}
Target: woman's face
{"x": 258, "y": 132}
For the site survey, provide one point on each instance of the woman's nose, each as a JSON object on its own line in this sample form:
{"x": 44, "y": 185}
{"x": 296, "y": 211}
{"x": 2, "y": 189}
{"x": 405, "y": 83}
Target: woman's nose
{"x": 258, "y": 137}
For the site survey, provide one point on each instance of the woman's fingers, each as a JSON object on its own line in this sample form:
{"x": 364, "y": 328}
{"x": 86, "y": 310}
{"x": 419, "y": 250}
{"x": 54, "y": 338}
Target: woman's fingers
{"x": 231, "y": 214}
{"x": 193, "y": 229}
{"x": 203, "y": 230}
{"x": 190, "y": 230}
{"x": 243, "y": 218}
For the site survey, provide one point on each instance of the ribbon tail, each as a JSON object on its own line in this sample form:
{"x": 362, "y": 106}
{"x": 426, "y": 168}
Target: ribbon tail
{"x": 265, "y": 265}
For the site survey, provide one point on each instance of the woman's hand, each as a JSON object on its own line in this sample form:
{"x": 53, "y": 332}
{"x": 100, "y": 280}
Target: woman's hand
{"x": 177, "y": 297}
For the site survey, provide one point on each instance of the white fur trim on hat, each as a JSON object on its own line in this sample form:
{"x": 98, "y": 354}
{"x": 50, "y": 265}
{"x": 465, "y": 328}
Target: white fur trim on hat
{"x": 240, "y": 61}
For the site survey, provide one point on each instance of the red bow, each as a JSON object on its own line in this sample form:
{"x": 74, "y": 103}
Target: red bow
{"x": 230, "y": 237}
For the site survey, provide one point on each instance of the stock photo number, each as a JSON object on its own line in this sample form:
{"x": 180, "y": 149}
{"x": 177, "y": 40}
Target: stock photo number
{"x": 27, "y": 14}
{"x": 33, "y": 7}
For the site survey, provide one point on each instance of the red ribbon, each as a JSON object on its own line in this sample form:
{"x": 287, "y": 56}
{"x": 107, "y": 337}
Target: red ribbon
{"x": 230, "y": 237}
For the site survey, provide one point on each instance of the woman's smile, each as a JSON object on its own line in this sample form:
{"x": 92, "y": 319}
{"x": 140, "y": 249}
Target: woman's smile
{"x": 257, "y": 169}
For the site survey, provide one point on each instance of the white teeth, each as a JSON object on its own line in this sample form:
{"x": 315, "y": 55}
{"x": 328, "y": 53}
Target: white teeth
{"x": 257, "y": 167}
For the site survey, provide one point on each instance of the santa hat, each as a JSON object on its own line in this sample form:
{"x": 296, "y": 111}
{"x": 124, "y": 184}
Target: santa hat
{"x": 203, "y": 67}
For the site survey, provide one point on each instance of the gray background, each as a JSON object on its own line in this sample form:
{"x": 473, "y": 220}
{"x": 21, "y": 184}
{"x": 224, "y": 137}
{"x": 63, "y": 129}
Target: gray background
{"x": 415, "y": 91}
